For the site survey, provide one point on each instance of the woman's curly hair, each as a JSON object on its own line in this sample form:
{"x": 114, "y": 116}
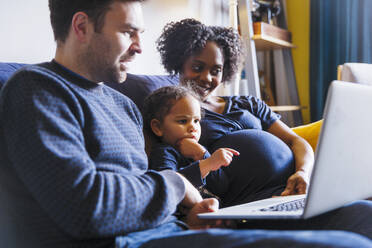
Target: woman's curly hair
{"x": 181, "y": 40}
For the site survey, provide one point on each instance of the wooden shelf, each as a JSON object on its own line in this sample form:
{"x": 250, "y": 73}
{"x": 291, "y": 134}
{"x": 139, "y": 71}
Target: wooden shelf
{"x": 268, "y": 37}
{"x": 264, "y": 42}
{"x": 265, "y": 36}
{"x": 283, "y": 108}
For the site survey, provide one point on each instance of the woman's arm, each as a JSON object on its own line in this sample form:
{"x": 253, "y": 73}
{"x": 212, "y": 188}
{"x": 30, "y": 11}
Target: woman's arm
{"x": 303, "y": 155}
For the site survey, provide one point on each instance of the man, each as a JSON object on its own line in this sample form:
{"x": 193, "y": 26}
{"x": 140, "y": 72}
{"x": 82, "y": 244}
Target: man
{"x": 73, "y": 168}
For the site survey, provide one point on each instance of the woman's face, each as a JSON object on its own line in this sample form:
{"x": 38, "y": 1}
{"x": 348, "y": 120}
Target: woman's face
{"x": 204, "y": 69}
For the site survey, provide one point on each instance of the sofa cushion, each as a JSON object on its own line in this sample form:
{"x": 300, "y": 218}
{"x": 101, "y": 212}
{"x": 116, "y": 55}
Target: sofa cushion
{"x": 137, "y": 87}
{"x": 357, "y": 72}
{"x": 7, "y": 70}
{"x": 310, "y": 132}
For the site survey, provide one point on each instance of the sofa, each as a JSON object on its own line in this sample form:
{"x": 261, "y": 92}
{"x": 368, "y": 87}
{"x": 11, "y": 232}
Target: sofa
{"x": 137, "y": 87}
{"x": 355, "y": 72}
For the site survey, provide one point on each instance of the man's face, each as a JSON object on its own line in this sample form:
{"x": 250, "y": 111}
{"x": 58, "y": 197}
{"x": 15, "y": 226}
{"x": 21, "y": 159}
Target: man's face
{"x": 110, "y": 50}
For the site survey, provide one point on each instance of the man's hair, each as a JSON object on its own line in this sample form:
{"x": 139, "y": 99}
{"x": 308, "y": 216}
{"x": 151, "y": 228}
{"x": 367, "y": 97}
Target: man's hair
{"x": 62, "y": 11}
{"x": 158, "y": 104}
{"x": 183, "y": 39}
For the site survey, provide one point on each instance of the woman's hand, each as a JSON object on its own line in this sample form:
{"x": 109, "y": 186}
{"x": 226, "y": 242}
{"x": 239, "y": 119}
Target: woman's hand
{"x": 297, "y": 184}
{"x": 190, "y": 148}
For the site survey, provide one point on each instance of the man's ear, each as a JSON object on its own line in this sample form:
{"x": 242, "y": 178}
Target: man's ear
{"x": 80, "y": 26}
{"x": 156, "y": 127}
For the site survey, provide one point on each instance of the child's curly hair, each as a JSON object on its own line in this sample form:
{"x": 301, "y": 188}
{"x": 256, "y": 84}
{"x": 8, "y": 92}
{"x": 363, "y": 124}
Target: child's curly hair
{"x": 181, "y": 40}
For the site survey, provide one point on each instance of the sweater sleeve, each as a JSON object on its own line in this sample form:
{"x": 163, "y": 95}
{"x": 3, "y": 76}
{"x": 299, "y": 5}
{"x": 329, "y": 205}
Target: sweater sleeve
{"x": 43, "y": 132}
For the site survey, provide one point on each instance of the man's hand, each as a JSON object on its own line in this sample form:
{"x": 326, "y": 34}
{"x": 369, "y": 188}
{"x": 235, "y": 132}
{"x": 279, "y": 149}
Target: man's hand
{"x": 297, "y": 184}
{"x": 190, "y": 148}
{"x": 207, "y": 205}
{"x": 193, "y": 204}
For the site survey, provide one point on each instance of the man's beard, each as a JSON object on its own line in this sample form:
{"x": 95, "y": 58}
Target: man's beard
{"x": 101, "y": 70}
{"x": 100, "y": 66}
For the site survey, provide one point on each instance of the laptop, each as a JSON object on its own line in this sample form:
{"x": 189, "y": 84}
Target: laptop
{"x": 342, "y": 168}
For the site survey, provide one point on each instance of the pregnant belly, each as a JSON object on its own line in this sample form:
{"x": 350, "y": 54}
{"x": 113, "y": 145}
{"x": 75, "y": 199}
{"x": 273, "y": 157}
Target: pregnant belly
{"x": 264, "y": 161}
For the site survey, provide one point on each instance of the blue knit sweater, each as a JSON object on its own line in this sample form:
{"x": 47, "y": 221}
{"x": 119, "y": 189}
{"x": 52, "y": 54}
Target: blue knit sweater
{"x": 73, "y": 169}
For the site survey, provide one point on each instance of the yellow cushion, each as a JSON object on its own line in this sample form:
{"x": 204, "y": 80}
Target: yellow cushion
{"x": 309, "y": 132}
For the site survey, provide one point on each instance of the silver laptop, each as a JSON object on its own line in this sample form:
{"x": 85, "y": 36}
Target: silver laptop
{"x": 343, "y": 162}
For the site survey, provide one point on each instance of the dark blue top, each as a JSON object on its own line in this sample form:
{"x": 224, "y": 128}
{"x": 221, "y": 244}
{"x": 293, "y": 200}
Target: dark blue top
{"x": 73, "y": 170}
{"x": 241, "y": 112}
{"x": 166, "y": 157}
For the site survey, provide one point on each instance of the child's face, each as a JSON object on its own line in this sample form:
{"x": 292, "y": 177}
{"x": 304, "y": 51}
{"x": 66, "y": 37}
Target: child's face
{"x": 182, "y": 121}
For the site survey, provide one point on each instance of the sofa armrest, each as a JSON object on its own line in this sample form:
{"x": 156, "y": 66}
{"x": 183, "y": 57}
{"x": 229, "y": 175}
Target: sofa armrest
{"x": 7, "y": 70}
{"x": 355, "y": 72}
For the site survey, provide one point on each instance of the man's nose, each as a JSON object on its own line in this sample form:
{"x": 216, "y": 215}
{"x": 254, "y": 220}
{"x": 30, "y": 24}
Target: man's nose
{"x": 136, "y": 44}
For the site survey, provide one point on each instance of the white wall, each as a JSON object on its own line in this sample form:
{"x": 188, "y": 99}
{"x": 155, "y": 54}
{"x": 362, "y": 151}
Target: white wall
{"x": 25, "y": 32}
{"x": 156, "y": 14}
{"x": 26, "y": 35}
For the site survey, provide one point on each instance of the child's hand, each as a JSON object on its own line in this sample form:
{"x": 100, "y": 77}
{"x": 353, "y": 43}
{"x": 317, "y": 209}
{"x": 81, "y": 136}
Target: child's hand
{"x": 190, "y": 148}
{"x": 221, "y": 157}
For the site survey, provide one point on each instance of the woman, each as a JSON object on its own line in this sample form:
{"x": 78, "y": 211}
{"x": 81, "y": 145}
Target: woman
{"x": 274, "y": 160}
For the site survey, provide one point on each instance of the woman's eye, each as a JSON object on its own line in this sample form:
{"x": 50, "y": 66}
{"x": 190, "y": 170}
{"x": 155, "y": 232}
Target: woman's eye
{"x": 215, "y": 72}
{"x": 196, "y": 68}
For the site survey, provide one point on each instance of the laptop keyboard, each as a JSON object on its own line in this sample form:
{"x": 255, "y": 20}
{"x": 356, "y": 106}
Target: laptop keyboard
{"x": 287, "y": 206}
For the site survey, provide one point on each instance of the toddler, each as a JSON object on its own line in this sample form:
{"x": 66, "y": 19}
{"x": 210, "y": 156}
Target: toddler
{"x": 172, "y": 114}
